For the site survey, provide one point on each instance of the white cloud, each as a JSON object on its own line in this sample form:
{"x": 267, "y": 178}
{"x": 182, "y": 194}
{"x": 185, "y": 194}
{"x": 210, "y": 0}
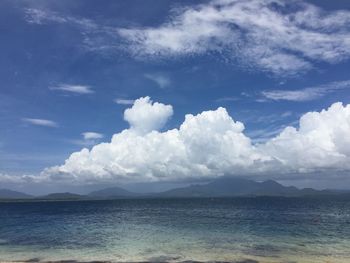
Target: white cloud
{"x": 321, "y": 142}
{"x": 89, "y": 139}
{"x": 37, "y": 16}
{"x": 203, "y": 144}
{"x": 145, "y": 116}
{"x": 43, "y": 16}
{"x": 95, "y": 37}
{"x": 277, "y": 36}
{"x": 92, "y": 135}
{"x": 41, "y": 122}
{"x": 6, "y": 178}
{"x": 124, "y": 101}
{"x": 160, "y": 79}
{"x": 15, "y": 179}
{"x": 79, "y": 89}
{"x": 211, "y": 144}
{"x": 310, "y": 93}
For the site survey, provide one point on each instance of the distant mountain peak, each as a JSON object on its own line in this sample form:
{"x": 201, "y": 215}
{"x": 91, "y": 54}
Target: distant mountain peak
{"x": 112, "y": 192}
{"x": 10, "y": 194}
{"x": 61, "y": 196}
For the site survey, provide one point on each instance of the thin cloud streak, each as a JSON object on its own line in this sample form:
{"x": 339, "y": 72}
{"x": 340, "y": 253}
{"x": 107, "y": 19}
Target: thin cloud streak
{"x": 92, "y": 135}
{"x": 79, "y": 89}
{"x": 41, "y": 122}
{"x": 306, "y": 94}
{"x": 160, "y": 79}
{"x": 124, "y": 101}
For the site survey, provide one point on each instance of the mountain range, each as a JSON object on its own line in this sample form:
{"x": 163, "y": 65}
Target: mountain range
{"x": 221, "y": 187}
{"x": 10, "y": 194}
{"x": 230, "y": 186}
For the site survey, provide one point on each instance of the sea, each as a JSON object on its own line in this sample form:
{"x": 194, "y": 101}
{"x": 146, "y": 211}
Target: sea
{"x": 260, "y": 229}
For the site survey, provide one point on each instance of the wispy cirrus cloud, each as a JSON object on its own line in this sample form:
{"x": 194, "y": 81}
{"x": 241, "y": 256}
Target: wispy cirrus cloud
{"x": 78, "y": 89}
{"x": 160, "y": 79}
{"x": 122, "y": 101}
{"x": 43, "y": 16}
{"x": 41, "y": 122}
{"x": 306, "y": 94}
{"x": 276, "y": 36}
{"x": 95, "y": 37}
{"x": 92, "y": 135}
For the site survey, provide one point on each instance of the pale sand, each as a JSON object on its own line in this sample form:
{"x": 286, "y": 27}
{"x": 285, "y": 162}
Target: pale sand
{"x": 161, "y": 260}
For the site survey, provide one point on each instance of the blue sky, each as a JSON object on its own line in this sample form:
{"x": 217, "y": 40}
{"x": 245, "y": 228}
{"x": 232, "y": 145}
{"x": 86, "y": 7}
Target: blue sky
{"x": 73, "y": 67}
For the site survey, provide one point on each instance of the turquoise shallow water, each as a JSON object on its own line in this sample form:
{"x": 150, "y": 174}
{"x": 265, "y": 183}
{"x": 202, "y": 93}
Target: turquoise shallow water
{"x": 261, "y": 229}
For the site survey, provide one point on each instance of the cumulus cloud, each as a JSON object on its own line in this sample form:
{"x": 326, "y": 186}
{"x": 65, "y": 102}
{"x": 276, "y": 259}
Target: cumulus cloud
{"x": 41, "y": 122}
{"x": 306, "y": 94}
{"x": 277, "y": 36}
{"x": 210, "y": 144}
{"x": 145, "y": 116}
{"x": 79, "y": 89}
{"x": 322, "y": 141}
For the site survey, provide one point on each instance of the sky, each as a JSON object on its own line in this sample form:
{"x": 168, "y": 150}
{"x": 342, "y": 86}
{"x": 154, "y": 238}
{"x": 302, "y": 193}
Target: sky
{"x": 173, "y": 92}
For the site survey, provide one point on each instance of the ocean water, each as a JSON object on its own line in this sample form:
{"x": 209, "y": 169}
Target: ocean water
{"x": 217, "y": 229}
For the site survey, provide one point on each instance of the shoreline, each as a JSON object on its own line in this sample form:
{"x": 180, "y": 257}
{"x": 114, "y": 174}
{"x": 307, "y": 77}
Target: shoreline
{"x": 156, "y": 261}
{"x": 173, "y": 260}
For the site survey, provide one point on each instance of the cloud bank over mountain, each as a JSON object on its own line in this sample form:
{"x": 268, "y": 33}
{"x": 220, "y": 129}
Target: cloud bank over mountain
{"x": 208, "y": 145}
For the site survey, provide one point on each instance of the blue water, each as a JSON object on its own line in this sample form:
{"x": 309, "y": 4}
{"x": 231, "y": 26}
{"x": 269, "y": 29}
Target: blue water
{"x": 261, "y": 229}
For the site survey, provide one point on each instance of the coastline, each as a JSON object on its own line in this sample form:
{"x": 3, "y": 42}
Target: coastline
{"x": 187, "y": 261}
{"x": 160, "y": 259}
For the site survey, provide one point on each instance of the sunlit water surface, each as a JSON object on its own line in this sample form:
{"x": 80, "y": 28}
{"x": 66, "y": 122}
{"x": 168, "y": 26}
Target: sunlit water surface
{"x": 227, "y": 229}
